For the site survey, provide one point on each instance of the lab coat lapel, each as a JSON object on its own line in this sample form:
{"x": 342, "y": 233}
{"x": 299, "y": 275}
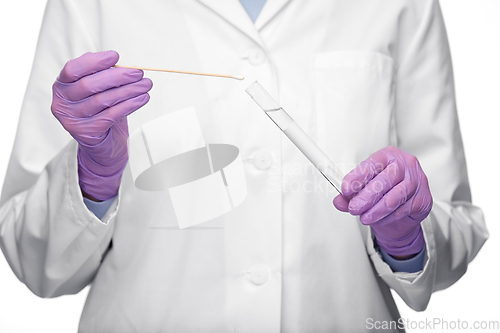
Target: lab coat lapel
{"x": 234, "y": 13}
{"x": 270, "y": 10}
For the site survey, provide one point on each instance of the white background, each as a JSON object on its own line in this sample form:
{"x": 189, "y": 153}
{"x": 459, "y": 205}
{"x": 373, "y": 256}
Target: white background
{"x": 474, "y": 32}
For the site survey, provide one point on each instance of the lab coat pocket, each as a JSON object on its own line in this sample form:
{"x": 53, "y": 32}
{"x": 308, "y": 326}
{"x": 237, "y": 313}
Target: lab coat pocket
{"x": 354, "y": 102}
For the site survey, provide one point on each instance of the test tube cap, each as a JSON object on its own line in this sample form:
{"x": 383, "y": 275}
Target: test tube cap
{"x": 262, "y": 97}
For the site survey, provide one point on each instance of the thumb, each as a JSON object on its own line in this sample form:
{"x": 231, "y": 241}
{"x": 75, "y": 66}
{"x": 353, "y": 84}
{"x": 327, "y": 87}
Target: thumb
{"x": 341, "y": 202}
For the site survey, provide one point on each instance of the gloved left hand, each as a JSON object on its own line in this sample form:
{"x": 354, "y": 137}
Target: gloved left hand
{"x": 391, "y": 194}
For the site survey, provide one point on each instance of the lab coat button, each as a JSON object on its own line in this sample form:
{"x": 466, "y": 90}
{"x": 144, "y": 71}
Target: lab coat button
{"x": 263, "y": 160}
{"x": 259, "y": 274}
{"x": 256, "y": 57}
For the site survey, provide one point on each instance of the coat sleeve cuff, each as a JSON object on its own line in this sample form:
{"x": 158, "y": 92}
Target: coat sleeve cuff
{"x": 414, "y": 288}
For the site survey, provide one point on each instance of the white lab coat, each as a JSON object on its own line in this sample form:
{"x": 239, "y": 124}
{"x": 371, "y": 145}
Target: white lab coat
{"x": 357, "y": 75}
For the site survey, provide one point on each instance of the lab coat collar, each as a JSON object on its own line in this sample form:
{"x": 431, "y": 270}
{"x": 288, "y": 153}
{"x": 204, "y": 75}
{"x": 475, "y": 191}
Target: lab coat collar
{"x": 233, "y": 12}
{"x": 270, "y": 11}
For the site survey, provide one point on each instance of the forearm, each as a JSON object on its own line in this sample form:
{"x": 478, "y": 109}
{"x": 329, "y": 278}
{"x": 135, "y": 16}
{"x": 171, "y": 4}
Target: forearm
{"x": 99, "y": 208}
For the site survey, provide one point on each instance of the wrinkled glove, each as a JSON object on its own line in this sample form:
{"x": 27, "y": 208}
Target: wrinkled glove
{"x": 92, "y": 100}
{"x": 391, "y": 194}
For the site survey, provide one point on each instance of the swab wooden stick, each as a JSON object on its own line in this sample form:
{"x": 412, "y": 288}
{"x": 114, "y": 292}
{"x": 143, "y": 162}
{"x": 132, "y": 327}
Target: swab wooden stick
{"x": 236, "y": 77}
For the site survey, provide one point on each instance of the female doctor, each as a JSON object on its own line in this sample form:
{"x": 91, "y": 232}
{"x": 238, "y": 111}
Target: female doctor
{"x": 370, "y": 81}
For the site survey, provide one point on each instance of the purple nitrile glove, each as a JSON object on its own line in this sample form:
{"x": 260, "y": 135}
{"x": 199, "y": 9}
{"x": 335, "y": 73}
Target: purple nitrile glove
{"x": 92, "y": 100}
{"x": 391, "y": 194}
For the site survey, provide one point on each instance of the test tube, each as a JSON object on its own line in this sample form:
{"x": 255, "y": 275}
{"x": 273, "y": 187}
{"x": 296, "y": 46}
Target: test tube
{"x": 298, "y": 137}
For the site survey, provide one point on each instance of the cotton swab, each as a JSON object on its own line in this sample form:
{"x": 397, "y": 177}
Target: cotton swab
{"x": 236, "y": 77}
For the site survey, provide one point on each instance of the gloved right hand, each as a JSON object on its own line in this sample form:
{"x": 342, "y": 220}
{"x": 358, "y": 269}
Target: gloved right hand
{"x": 92, "y": 100}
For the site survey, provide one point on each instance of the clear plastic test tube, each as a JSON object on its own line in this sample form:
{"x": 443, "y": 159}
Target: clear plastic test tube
{"x": 299, "y": 138}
